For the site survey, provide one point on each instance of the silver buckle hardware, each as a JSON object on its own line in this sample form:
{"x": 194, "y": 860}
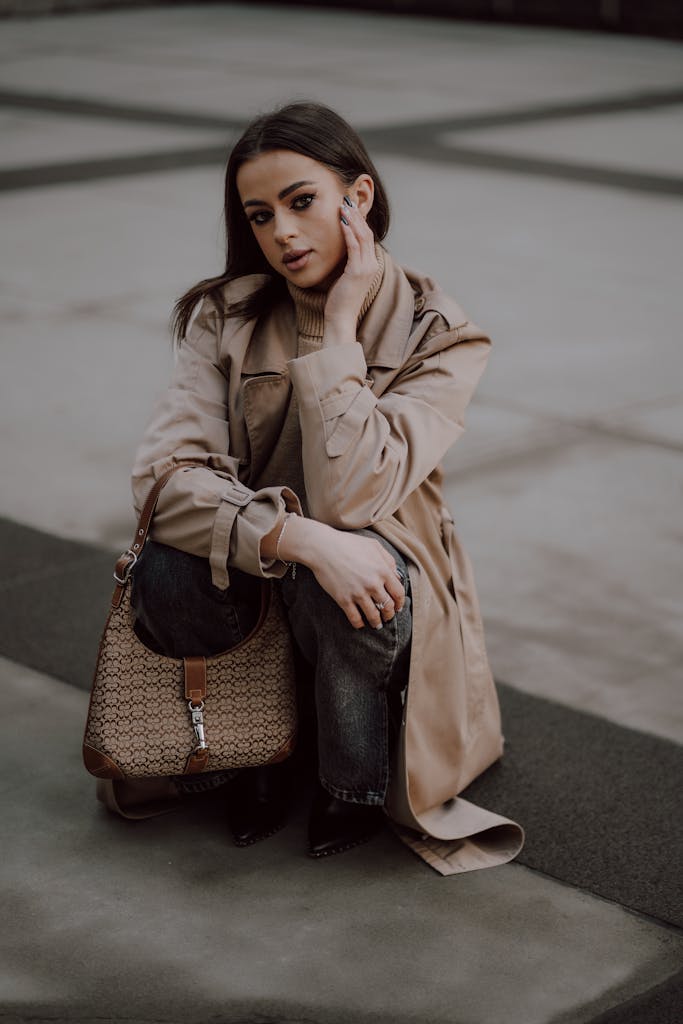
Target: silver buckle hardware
{"x": 128, "y": 568}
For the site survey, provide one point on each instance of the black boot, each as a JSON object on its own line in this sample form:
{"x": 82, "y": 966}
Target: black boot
{"x": 258, "y": 802}
{"x": 337, "y": 825}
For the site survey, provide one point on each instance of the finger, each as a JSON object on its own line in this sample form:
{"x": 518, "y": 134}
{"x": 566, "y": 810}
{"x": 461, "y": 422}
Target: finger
{"x": 353, "y": 615}
{"x": 357, "y": 222}
{"x": 349, "y": 225}
{"x": 385, "y": 605}
{"x": 364, "y": 236}
{"x": 394, "y": 587}
{"x": 353, "y": 254}
{"x": 393, "y": 581}
{"x": 370, "y": 611}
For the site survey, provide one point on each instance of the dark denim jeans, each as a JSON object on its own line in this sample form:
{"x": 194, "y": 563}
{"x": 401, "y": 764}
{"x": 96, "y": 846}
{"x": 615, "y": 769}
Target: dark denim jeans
{"x": 359, "y": 676}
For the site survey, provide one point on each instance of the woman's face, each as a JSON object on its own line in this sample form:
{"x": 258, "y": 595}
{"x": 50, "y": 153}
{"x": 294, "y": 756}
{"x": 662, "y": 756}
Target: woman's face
{"x": 294, "y": 204}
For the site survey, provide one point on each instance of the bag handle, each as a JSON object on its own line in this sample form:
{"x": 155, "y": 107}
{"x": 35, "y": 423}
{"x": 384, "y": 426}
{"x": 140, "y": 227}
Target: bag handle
{"x": 126, "y": 562}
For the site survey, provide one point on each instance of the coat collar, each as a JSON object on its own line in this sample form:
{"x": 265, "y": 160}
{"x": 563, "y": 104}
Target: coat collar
{"x": 386, "y": 327}
{"x": 384, "y": 332}
{"x": 273, "y": 341}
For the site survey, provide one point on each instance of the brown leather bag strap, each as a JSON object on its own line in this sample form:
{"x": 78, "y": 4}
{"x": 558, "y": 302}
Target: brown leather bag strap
{"x": 126, "y": 562}
{"x": 195, "y": 679}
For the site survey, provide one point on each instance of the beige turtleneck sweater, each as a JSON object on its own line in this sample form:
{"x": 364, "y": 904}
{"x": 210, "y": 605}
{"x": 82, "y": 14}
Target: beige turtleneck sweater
{"x": 285, "y": 466}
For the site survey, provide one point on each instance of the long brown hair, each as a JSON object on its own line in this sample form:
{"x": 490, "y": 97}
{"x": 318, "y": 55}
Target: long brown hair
{"x": 314, "y": 131}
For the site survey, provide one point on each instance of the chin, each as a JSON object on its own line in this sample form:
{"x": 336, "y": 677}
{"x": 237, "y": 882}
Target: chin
{"x": 310, "y": 278}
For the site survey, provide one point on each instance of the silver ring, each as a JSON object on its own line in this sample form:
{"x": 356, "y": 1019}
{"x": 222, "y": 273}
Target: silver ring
{"x": 379, "y": 606}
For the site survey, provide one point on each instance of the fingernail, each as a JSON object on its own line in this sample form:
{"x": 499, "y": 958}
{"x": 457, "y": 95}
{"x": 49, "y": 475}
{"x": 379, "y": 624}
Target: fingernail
{"x": 381, "y": 625}
{"x": 348, "y": 201}
{"x": 344, "y": 220}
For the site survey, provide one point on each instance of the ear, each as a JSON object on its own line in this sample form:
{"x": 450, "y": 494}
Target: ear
{"x": 363, "y": 193}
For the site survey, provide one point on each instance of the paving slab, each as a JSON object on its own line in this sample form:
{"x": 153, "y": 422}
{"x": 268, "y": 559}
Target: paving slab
{"x": 582, "y": 317}
{"x": 659, "y": 421}
{"x": 606, "y": 140}
{"x": 166, "y": 920}
{"x": 34, "y": 139}
{"x": 580, "y": 577}
{"x": 85, "y": 457}
{"x": 239, "y": 58}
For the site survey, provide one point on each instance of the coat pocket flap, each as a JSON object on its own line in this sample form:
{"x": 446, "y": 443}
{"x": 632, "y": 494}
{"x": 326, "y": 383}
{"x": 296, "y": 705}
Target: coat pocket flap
{"x": 337, "y": 405}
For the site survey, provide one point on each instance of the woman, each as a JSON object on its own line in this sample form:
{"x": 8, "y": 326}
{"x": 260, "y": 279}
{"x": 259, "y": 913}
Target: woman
{"x": 319, "y": 386}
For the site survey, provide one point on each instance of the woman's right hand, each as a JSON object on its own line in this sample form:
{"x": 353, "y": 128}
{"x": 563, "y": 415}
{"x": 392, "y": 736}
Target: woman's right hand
{"x": 359, "y": 573}
{"x": 356, "y": 571}
{"x": 345, "y": 297}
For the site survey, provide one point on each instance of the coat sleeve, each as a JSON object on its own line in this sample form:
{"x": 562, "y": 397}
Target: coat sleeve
{"x": 205, "y": 510}
{"x": 363, "y": 454}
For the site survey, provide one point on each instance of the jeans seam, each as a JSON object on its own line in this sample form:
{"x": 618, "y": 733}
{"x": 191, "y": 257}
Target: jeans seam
{"x": 394, "y": 623}
{"x": 386, "y": 768}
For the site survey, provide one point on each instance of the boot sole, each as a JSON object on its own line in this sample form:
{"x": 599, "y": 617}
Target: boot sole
{"x": 258, "y": 836}
{"x": 319, "y": 854}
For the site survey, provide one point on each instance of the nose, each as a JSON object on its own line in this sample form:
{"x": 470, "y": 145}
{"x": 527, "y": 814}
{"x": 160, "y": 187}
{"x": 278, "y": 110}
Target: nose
{"x": 284, "y": 228}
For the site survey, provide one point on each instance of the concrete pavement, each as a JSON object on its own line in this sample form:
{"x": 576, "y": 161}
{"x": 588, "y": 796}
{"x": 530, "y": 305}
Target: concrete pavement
{"x": 537, "y": 174}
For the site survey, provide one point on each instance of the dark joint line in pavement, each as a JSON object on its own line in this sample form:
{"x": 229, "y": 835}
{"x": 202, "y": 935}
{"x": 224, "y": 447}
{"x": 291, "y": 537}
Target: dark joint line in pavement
{"x": 101, "y": 109}
{"x": 631, "y": 436}
{"x": 625, "y": 103}
{"x": 66, "y": 173}
{"x": 74, "y": 106}
{"x": 418, "y": 139}
{"x": 635, "y": 181}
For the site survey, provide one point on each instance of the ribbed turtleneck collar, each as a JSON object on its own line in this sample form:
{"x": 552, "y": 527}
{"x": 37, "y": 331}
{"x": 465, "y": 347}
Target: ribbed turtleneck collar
{"x": 310, "y": 304}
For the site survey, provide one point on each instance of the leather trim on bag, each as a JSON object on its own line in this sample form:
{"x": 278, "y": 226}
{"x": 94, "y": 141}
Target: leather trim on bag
{"x": 195, "y": 679}
{"x": 197, "y": 761}
{"x": 100, "y": 764}
{"x": 285, "y": 751}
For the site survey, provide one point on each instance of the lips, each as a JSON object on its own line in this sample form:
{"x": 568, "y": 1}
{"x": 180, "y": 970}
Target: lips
{"x": 296, "y": 258}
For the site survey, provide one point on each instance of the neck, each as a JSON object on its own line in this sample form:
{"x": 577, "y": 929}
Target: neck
{"x": 310, "y": 304}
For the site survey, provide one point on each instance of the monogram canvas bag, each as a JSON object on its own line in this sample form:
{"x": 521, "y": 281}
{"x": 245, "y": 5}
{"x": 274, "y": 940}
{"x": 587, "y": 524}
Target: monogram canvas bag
{"x": 151, "y": 716}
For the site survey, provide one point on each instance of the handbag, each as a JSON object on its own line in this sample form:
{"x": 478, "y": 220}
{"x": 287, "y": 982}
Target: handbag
{"x": 152, "y": 716}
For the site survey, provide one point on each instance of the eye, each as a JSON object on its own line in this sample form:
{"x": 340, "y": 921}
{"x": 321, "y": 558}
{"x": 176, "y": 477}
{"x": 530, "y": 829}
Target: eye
{"x": 260, "y": 217}
{"x": 302, "y": 202}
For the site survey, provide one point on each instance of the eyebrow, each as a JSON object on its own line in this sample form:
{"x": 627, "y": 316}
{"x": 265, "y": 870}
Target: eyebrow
{"x": 281, "y": 195}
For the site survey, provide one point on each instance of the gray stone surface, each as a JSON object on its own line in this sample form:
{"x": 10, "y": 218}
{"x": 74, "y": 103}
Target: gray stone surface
{"x": 580, "y": 577}
{"x": 165, "y": 920}
{"x": 32, "y": 139}
{"x": 239, "y": 58}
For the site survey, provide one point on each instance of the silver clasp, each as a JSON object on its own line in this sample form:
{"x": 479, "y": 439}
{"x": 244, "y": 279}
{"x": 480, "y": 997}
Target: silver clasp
{"x": 198, "y": 723}
{"x": 128, "y": 568}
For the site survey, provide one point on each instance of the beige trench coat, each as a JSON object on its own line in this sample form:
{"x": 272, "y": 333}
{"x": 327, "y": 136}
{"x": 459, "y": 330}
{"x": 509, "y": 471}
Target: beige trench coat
{"x": 377, "y": 416}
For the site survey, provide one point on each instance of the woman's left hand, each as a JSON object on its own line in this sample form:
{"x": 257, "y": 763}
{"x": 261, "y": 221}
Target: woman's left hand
{"x": 345, "y": 297}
